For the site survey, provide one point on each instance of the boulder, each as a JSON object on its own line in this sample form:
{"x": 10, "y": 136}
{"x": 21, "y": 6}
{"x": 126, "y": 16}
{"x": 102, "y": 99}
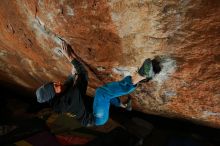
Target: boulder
{"x": 112, "y": 38}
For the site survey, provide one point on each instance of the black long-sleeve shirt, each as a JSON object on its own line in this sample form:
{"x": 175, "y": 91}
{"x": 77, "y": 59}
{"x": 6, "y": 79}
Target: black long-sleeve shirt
{"x": 72, "y": 100}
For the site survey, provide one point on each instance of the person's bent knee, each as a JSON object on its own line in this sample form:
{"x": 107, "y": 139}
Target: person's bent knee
{"x": 100, "y": 121}
{"x": 100, "y": 117}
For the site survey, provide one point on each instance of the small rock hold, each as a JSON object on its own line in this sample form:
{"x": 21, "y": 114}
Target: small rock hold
{"x": 10, "y": 28}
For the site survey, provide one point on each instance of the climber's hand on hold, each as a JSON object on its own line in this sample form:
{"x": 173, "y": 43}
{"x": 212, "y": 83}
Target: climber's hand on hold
{"x": 67, "y": 51}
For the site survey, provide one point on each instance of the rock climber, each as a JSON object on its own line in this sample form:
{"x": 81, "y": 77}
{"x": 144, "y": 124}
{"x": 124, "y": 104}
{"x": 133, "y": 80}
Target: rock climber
{"x": 70, "y": 96}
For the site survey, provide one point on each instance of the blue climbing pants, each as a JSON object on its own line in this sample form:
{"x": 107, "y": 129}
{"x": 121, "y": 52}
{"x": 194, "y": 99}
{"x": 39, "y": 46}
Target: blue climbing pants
{"x": 109, "y": 94}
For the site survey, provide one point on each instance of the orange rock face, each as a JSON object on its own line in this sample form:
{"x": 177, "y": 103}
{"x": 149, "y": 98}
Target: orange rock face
{"x": 112, "y": 38}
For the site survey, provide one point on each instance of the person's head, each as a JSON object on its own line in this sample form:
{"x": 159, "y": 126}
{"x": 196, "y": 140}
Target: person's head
{"x": 48, "y": 91}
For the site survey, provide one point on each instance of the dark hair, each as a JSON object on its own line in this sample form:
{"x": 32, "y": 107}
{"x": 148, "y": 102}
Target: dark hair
{"x": 156, "y": 65}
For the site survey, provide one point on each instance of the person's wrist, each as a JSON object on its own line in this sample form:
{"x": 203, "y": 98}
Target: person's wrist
{"x": 70, "y": 58}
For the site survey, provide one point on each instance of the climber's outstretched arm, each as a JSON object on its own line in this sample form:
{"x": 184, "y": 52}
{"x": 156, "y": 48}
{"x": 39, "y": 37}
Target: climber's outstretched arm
{"x": 78, "y": 67}
{"x": 78, "y": 70}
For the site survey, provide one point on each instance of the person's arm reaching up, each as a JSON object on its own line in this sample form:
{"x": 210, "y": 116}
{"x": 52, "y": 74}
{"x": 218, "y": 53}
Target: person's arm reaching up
{"x": 68, "y": 53}
{"x": 78, "y": 70}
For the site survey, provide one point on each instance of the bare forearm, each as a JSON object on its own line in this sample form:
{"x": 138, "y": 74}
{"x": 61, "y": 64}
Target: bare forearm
{"x": 67, "y": 51}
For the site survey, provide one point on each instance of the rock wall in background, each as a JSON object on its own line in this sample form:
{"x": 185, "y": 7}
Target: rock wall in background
{"x": 112, "y": 38}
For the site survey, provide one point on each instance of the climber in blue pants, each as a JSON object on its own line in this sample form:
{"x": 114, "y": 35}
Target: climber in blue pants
{"x": 69, "y": 97}
{"x": 110, "y": 93}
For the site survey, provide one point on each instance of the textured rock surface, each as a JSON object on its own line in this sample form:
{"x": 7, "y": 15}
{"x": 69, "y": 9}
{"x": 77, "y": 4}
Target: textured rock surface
{"x": 112, "y": 38}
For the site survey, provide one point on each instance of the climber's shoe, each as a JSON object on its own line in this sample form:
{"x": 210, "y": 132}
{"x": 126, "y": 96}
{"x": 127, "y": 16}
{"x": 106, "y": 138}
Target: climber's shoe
{"x": 146, "y": 69}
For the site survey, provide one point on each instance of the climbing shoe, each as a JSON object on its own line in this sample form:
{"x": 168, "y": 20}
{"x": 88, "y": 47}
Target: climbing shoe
{"x": 146, "y": 69}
